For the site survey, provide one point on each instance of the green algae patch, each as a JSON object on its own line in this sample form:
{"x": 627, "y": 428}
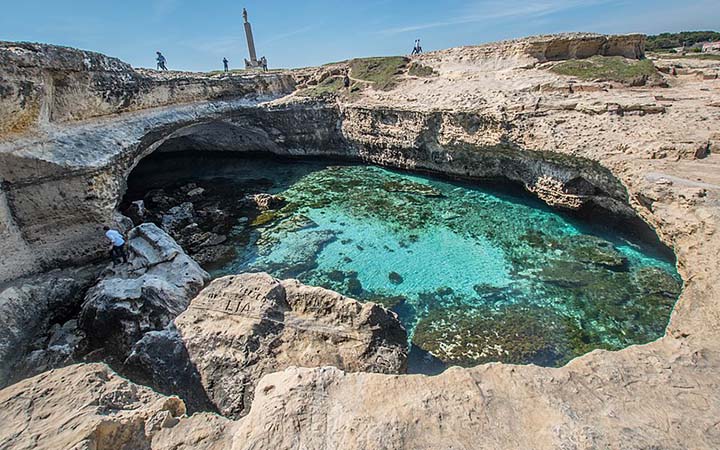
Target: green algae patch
{"x": 594, "y": 250}
{"x": 609, "y": 68}
{"x": 517, "y": 334}
{"x": 411, "y": 188}
{"x": 264, "y": 218}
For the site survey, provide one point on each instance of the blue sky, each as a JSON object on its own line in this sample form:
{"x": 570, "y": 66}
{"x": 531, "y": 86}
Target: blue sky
{"x": 196, "y": 35}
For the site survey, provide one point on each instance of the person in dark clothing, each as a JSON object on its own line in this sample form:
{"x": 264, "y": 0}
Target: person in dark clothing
{"x": 346, "y": 80}
{"x": 417, "y": 49}
{"x": 161, "y": 61}
{"x": 225, "y": 64}
{"x": 117, "y": 249}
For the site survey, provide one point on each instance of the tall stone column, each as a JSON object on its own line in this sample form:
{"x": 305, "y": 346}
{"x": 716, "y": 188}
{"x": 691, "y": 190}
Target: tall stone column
{"x": 251, "y": 43}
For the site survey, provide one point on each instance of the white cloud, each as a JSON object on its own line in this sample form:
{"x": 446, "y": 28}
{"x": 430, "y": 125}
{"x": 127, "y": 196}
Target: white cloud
{"x": 489, "y": 10}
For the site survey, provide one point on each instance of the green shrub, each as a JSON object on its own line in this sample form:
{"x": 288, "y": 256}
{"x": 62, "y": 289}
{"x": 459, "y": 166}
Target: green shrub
{"x": 672, "y": 40}
{"x": 611, "y": 68}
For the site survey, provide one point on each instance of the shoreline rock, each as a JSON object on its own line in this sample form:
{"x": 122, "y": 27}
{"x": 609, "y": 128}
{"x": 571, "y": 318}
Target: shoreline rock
{"x": 244, "y": 326}
{"x": 144, "y": 295}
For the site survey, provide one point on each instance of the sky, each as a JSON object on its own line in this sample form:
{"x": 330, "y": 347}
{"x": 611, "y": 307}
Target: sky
{"x": 196, "y": 35}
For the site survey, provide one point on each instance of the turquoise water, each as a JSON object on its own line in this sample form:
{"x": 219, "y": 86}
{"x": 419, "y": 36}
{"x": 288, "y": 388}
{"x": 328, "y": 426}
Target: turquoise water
{"x": 475, "y": 274}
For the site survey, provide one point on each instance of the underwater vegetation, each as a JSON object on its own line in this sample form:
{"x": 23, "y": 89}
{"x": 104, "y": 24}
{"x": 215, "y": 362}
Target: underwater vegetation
{"x": 475, "y": 274}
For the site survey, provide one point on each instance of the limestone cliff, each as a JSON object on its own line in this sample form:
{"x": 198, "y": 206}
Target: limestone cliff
{"x": 499, "y": 109}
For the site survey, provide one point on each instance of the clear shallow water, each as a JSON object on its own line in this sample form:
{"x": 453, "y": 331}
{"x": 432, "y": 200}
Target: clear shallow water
{"x": 476, "y": 275}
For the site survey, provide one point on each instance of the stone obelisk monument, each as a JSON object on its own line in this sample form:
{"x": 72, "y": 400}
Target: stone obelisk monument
{"x": 253, "y": 63}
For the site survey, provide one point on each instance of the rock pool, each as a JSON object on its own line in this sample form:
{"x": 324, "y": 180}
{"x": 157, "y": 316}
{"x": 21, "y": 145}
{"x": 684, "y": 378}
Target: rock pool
{"x": 476, "y": 274}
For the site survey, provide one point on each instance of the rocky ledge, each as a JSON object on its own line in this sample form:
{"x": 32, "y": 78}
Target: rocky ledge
{"x": 246, "y": 326}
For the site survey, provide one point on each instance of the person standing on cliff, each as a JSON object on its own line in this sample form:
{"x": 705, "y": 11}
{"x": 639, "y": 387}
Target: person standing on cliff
{"x": 117, "y": 249}
{"x": 161, "y": 61}
{"x": 225, "y": 64}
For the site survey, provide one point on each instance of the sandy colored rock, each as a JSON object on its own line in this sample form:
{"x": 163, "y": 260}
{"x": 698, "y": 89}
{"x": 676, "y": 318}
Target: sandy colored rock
{"x": 85, "y": 407}
{"x": 242, "y": 327}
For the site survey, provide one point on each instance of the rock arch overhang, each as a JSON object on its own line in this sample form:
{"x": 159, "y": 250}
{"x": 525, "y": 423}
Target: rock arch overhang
{"x": 459, "y": 145}
{"x": 56, "y": 202}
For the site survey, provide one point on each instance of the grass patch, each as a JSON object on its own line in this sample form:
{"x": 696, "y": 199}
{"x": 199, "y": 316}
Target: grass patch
{"x": 419, "y": 70}
{"x": 381, "y": 71}
{"x": 329, "y": 86}
{"x": 611, "y": 68}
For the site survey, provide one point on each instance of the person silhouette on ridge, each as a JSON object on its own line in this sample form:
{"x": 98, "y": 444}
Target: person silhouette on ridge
{"x": 161, "y": 61}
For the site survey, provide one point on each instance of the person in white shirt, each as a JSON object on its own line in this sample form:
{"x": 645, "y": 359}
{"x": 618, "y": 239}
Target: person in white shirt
{"x": 117, "y": 249}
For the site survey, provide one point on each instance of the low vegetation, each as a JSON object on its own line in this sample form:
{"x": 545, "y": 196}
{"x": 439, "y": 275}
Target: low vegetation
{"x": 418, "y": 70}
{"x": 382, "y": 72}
{"x": 329, "y": 86}
{"x": 667, "y": 41}
{"x": 608, "y": 68}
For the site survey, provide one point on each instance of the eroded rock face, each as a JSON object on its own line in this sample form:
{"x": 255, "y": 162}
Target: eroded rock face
{"x": 47, "y": 83}
{"x": 144, "y": 295}
{"x": 242, "y": 327}
{"x": 28, "y": 309}
{"x": 83, "y": 406}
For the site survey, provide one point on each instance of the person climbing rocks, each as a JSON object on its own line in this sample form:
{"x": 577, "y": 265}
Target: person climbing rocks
{"x": 161, "y": 61}
{"x": 417, "y": 49}
{"x": 225, "y": 64}
{"x": 117, "y": 249}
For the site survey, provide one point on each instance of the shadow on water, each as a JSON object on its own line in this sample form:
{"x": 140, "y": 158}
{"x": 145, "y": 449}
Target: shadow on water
{"x": 476, "y": 271}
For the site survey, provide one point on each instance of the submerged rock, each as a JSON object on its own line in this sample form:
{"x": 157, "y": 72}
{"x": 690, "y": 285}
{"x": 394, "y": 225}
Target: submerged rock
{"x": 409, "y": 187}
{"x": 395, "y": 278}
{"x": 653, "y": 280}
{"x": 267, "y": 201}
{"x": 594, "y": 250}
{"x": 141, "y": 296}
{"x": 518, "y": 334}
{"x": 243, "y": 327}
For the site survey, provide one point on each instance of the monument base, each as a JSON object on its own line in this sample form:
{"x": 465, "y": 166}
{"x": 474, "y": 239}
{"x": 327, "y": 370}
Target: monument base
{"x": 253, "y": 64}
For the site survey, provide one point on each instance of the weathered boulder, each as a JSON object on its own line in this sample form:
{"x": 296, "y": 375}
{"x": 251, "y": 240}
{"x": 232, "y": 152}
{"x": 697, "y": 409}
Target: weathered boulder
{"x": 178, "y": 217}
{"x": 83, "y": 406}
{"x": 144, "y": 295}
{"x": 30, "y": 306}
{"x": 265, "y": 202}
{"x": 242, "y": 327}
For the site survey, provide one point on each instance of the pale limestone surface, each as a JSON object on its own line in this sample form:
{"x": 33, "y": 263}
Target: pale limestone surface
{"x": 243, "y": 327}
{"x": 83, "y": 407}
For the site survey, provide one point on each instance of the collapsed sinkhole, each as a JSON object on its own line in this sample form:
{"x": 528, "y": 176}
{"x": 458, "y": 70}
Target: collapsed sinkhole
{"x": 477, "y": 271}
